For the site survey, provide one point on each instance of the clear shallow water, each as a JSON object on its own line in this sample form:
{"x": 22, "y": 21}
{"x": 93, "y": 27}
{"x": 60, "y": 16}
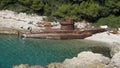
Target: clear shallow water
{"x": 15, "y": 51}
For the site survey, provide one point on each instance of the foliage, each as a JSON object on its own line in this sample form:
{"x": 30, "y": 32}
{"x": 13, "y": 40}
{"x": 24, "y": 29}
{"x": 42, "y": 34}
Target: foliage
{"x": 113, "y": 5}
{"x": 90, "y": 10}
{"x": 111, "y": 21}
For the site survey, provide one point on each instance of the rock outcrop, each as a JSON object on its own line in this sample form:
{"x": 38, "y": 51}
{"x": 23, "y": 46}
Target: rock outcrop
{"x": 52, "y": 65}
{"x": 21, "y": 21}
{"x": 55, "y": 65}
{"x": 26, "y": 66}
{"x": 83, "y": 60}
{"x": 115, "y": 48}
{"x": 87, "y": 60}
{"x": 115, "y": 61}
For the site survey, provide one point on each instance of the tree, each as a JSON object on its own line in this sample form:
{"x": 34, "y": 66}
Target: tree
{"x": 111, "y": 21}
{"x": 113, "y": 5}
{"x": 37, "y": 5}
{"x": 90, "y": 10}
{"x": 25, "y": 2}
{"x": 62, "y": 11}
{"x": 5, "y": 3}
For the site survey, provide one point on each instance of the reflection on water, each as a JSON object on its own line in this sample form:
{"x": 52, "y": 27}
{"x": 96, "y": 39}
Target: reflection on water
{"x": 15, "y": 51}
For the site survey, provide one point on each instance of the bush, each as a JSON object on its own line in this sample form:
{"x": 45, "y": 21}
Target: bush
{"x": 112, "y": 21}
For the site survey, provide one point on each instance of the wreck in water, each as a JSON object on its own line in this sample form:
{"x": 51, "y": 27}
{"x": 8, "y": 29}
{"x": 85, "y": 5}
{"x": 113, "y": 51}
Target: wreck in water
{"x": 67, "y": 31}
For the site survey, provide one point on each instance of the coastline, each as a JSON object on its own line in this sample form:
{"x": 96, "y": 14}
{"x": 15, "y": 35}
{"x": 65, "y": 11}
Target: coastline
{"x": 106, "y": 38}
{"x": 9, "y": 31}
{"x": 11, "y": 23}
{"x": 19, "y": 21}
{"x": 88, "y": 59}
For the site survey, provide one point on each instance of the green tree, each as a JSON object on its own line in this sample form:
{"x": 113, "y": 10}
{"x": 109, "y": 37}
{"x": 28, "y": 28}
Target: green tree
{"x": 111, "y": 21}
{"x": 90, "y": 10}
{"x": 113, "y": 5}
{"x": 62, "y": 11}
{"x": 47, "y": 10}
{"x": 5, "y": 3}
{"x": 25, "y": 2}
{"x": 37, "y": 5}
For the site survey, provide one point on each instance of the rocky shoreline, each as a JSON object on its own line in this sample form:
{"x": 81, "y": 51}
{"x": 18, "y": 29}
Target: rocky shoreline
{"x": 89, "y": 59}
{"x": 9, "y": 31}
{"x": 105, "y": 37}
{"x": 112, "y": 39}
{"x": 18, "y": 21}
{"x": 83, "y": 60}
{"x": 15, "y": 24}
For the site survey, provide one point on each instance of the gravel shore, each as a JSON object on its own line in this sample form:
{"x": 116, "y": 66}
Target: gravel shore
{"x": 18, "y": 21}
{"x": 105, "y": 37}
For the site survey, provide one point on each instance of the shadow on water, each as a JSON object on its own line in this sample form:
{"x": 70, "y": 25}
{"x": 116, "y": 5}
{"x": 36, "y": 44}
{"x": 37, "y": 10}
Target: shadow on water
{"x": 101, "y": 49}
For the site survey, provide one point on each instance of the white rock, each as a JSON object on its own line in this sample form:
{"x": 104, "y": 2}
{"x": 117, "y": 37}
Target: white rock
{"x": 104, "y": 26}
{"x": 85, "y": 60}
{"x": 105, "y": 37}
{"x": 119, "y": 29}
{"x": 115, "y": 61}
{"x": 115, "y": 48}
{"x": 11, "y": 19}
{"x": 26, "y": 66}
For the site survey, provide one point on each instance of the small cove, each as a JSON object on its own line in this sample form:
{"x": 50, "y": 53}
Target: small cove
{"x": 16, "y": 51}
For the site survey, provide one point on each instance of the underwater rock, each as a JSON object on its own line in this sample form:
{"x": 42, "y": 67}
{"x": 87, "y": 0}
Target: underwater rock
{"x": 55, "y": 65}
{"x": 87, "y": 60}
{"x": 26, "y": 66}
{"x": 22, "y": 66}
{"x": 52, "y": 65}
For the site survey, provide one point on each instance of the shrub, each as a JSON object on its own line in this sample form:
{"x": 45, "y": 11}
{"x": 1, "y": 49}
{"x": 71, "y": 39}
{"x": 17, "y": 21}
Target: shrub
{"x": 112, "y": 21}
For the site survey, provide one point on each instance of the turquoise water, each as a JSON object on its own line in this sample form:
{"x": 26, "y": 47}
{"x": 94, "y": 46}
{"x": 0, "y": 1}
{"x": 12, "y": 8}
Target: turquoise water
{"x": 15, "y": 51}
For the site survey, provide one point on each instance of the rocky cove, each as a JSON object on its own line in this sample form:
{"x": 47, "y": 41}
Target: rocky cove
{"x": 43, "y": 51}
{"x": 87, "y": 59}
{"x": 83, "y": 60}
{"x": 33, "y": 26}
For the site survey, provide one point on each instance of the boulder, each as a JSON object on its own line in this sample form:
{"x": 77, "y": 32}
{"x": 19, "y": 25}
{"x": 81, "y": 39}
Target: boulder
{"x": 104, "y": 26}
{"x": 115, "y": 48}
{"x": 22, "y": 66}
{"x": 55, "y": 65}
{"x": 26, "y": 66}
{"x": 87, "y": 60}
{"x": 115, "y": 61}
